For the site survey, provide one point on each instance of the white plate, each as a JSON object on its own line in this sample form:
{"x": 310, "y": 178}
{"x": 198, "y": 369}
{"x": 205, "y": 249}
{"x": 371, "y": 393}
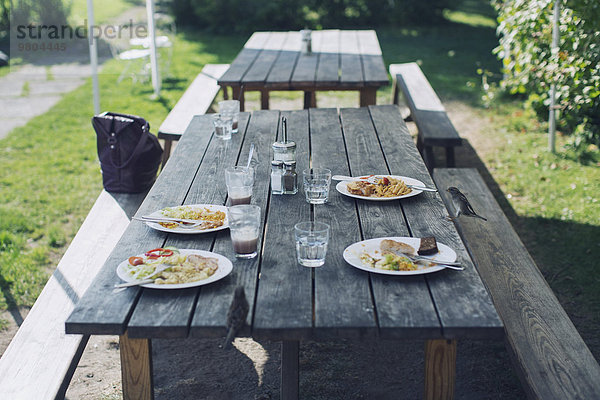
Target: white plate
{"x": 192, "y": 231}
{"x": 341, "y": 187}
{"x": 225, "y": 267}
{"x": 352, "y": 255}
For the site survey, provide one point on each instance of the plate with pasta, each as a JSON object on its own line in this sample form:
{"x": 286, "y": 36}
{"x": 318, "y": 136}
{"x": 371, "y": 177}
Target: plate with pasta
{"x": 213, "y": 218}
{"x": 186, "y": 268}
{"x": 388, "y": 187}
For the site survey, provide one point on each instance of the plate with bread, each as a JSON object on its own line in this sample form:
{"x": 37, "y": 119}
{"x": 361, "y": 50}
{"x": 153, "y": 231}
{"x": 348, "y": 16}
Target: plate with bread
{"x": 399, "y": 255}
{"x": 384, "y": 188}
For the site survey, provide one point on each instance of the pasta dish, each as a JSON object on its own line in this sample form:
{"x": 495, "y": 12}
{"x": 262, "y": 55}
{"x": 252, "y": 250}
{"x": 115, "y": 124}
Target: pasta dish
{"x": 385, "y": 187}
{"x": 211, "y": 219}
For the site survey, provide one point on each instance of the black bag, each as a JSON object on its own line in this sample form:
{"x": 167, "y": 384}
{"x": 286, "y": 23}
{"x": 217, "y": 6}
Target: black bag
{"x": 129, "y": 154}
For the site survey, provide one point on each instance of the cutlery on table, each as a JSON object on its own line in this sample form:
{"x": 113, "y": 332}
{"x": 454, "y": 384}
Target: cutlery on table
{"x": 183, "y": 223}
{"x": 159, "y": 268}
{"x": 374, "y": 180}
{"x": 452, "y": 265}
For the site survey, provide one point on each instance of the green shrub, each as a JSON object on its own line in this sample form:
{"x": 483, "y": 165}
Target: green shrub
{"x": 530, "y": 66}
{"x": 249, "y": 16}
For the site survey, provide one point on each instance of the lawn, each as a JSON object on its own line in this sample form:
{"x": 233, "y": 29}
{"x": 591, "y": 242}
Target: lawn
{"x": 49, "y": 173}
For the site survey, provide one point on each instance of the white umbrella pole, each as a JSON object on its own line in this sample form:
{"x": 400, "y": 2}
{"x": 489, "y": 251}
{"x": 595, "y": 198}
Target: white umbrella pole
{"x": 153, "y": 55}
{"x": 552, "y": 111}
{"x": 93, "y": 43}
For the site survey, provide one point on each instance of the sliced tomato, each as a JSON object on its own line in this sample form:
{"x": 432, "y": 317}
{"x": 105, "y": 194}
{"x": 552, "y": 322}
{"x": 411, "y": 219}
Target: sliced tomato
{"x": 135, "y": 260}
{"x": 385, "y": 181}
{"x": 159, "y": 252}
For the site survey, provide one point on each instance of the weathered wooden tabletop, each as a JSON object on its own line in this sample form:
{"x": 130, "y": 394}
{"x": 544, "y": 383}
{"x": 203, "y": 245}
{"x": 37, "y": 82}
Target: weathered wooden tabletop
{"x": 340, "y": 60}
{"x": 289, "y": 302}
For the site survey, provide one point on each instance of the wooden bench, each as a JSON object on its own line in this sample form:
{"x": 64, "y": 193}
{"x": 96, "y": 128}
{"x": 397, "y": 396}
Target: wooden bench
{"x": 427, "y": 111}
{"x": 196, "y": 100}
{"x": 552, "y": 359}
{"x": 41, "y": 359}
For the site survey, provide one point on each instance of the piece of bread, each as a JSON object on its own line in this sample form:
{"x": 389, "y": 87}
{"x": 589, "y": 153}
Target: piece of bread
{"x": 394, "y": 247}
{"x": 428, "y": 246}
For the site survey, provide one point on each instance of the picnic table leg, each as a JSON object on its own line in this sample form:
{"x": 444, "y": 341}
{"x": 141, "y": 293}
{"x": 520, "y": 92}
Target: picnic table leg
{"x": 440, "y": 369}
{"x": 238, "y": 94}
{"x": 225, "y": 93}
{"x": 264, "y": 99}
{"x": 450, "y": 157}
{"x": 136, "y": 368}
{"x": 290, "y": 369}
{"x": 368, "y": 96}
{"x": 310, "y": 99}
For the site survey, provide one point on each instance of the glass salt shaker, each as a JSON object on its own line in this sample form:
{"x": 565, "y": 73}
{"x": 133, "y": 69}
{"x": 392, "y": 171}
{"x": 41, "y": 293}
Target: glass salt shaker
{"x": 290, "y": 178}
{"x": 277, "y": 169}
{"x": 284, "y": 150}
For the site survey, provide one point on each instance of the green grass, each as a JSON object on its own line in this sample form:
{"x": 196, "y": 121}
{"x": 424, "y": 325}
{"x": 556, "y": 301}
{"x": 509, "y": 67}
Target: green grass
{"x": 104, "y": 10}
{"x": 49, "y": 173}
{"x": 554, "y": 204}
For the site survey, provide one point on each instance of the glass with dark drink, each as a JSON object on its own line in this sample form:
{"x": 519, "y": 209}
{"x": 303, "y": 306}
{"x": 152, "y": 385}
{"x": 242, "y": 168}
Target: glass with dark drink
{"x": 244, "y": 226}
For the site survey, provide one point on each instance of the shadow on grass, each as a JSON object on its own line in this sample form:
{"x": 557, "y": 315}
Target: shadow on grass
{"x": 565, "y": 252}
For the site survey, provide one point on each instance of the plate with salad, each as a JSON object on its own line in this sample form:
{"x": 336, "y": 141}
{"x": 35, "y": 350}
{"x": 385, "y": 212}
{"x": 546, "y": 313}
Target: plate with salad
{"x": 173, "y": 268}
{"x": 392, "y": 256}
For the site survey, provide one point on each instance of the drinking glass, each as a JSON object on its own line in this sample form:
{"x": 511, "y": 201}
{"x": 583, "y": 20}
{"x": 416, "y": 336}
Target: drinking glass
{"x": 311, "y": 243}
{"x": 240, "y": 181}
{"x": 316, "y": 183}
{"x": 244, "y": 226}
{"x": 231, "y": 108}
{"x": 223, "y": 126}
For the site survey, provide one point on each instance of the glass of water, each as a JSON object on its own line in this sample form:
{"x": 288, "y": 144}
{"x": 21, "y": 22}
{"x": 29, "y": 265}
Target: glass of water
{"x": 311, "y": 243}
{"x": 231, "y": 109}
{"x": 316, "y": 183}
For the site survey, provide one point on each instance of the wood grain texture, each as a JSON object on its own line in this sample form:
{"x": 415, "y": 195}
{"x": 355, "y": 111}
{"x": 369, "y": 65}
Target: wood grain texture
{"x": 463, "y": 305}
{"x": 370, "y": 53}
{"x": 284, "y": 300}
{"x": 550, "y": 355}
{"x": 343, "y": 305}
{"x": 281, "y": 73}
{"x": 404, "y": 306}
{"x": 211, "y": 309}
{"x": 166, "y": 313}
{"x": 244, "y": 60}
{"x": 440, "y": 369}
{"x": 136, "y": 368}
{"x": 40, "y": 360}
{"x": 351, "y": 68}
{"x": 329, "y": 57}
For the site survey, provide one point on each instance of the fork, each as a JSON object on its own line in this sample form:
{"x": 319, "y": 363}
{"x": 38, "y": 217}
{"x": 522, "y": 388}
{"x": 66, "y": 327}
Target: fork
{"x": 375, "y": 179}
{"x": 452, "y": 265}
{"x": 119, "y": 287}
{"x": 183, "y": 223}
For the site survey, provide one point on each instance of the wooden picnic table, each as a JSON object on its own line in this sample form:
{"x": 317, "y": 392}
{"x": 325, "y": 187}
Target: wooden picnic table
{"x": 288, "y": 302}
{"x": 340, "y": 60}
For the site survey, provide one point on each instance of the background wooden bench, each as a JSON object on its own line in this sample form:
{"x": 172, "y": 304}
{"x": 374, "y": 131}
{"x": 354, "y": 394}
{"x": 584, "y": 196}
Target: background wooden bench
{"x": 552, "y": 359}
{"x": 41, "y": 359}
{"x": 196, "y": 100}
{"x": 426, "y": 110}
